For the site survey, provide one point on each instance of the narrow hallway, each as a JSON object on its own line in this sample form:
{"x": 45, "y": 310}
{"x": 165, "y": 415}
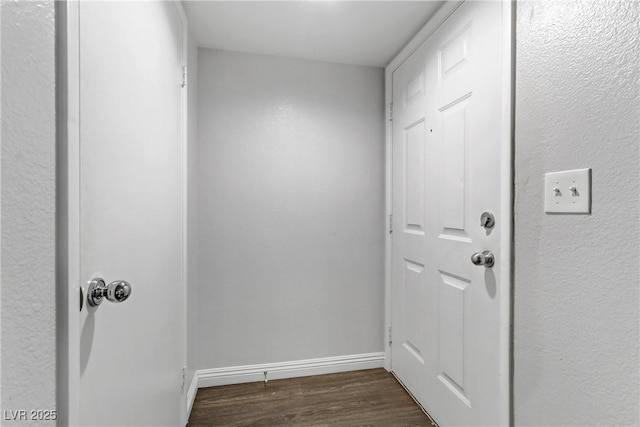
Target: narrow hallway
{"x": 313, "y": 189}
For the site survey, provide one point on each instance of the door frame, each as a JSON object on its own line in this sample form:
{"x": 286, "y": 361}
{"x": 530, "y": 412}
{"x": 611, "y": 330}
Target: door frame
{"x": 68, "y": 280}
{"x": 506, "y": 189}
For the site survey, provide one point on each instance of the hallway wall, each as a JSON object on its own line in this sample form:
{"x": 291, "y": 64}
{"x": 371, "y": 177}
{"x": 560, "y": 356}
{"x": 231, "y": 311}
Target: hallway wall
{"x": 28, "y": 208}
{"x": 192, "y": 207}
{"x": 577, "y": 276}
{"x": 291, "y": 176}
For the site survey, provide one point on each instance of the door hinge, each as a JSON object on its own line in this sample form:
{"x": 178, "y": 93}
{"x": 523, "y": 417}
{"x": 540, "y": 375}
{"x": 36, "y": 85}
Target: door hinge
{"x": 390, "y": 340}
{"x": 184, "y": 76}
{"x": 390, "y": 113}
{"x": 390, "y": 224}
{"x": 184, "y": 376}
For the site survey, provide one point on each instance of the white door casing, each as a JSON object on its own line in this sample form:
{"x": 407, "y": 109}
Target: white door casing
{"x": 449, "y": 317}
{"x": 125, "y": 194}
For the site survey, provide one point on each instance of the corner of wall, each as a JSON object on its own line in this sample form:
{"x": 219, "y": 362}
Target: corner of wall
{"x": 192, "y": 205}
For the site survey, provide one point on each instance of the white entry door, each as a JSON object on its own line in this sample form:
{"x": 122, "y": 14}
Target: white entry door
{"x": 130, "y": 56}
{"x": 448, "y": 132}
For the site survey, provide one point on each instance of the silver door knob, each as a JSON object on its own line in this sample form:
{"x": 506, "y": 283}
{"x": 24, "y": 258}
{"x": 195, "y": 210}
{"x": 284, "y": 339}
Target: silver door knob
{"x": 485, "y": 258}
{"x": 116, "y": 291}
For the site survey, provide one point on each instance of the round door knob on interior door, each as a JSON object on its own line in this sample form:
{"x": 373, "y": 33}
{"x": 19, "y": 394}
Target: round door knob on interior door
{"x": 485, "y": 258}
{"x": 116, "y": 291}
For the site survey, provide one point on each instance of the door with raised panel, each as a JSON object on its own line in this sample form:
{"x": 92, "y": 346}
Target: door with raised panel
{"x": 447, "y": 133}
{"x": 130, "y": 162}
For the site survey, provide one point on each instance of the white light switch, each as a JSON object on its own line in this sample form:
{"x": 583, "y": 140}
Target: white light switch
{"x": 568, "y": 191}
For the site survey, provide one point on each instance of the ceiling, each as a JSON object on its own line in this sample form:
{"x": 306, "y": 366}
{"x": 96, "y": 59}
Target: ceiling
{"x": 353, "y": 32}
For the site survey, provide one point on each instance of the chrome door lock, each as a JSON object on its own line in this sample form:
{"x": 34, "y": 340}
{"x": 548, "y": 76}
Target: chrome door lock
{"x": 116, "y": 291}
{"x": 487, "y": 220}
{"x": 485, "y": 258}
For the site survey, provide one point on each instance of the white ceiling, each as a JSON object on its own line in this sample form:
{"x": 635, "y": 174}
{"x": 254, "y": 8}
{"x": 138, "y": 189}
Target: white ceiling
{"x": 354, "y": 32}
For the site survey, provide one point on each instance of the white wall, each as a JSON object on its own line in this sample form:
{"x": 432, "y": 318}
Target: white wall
{"x": 577, "y": 277}
{"x": 291, "y": 209}
{"x": 192, "y": 207}
{"x": 28, "y": 207}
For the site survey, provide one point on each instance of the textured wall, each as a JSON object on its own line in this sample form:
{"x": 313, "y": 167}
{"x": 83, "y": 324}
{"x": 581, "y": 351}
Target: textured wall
{"x": 291, "y": 178}
{"x": 576, "y": 277}
{"x": 28, "y": 207}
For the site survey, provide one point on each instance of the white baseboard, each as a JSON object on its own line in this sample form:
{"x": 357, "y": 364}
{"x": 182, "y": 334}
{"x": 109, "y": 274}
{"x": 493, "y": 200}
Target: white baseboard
{"x": 296, "y": 368}
{"x": 191, "y": 392}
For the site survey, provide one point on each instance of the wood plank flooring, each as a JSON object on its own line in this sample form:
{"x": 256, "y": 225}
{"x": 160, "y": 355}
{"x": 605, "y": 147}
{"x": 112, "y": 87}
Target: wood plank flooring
{"x": 360, "y": 398}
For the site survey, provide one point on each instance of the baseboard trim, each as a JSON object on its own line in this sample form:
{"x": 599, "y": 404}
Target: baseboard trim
{"x": 292, "y": 369}
{"x": 191, "y": 393}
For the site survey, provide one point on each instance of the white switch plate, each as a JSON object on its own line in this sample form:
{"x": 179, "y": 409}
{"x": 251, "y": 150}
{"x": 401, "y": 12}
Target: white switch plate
{"x": 568, "y": 191}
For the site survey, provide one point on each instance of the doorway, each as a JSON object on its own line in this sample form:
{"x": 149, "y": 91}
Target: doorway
{"x": 124, "y": 211}
{"x": 451, "y": 210}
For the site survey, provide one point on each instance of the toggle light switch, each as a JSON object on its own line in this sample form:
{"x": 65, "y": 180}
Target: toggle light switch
{"x": 568, "y": 191}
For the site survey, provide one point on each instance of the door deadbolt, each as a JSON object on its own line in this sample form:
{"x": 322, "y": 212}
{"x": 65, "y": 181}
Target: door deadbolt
{"x": 487, "y": 220}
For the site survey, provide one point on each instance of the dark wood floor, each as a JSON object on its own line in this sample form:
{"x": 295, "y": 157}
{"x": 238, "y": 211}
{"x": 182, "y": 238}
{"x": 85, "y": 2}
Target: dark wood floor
{"x": 361, "y": 398}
